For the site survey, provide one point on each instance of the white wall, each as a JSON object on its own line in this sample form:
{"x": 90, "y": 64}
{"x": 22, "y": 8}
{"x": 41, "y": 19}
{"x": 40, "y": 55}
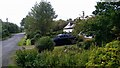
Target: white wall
{"x": 67, "y": 30}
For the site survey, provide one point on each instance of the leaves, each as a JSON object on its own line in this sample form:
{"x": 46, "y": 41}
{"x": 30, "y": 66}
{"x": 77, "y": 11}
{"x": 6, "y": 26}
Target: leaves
{"x": 39, "y": 19}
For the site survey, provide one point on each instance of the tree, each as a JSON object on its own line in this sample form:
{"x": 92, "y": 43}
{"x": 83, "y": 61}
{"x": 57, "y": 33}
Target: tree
{"x": 59, "y": 25}
{"x": 40, "y": 18}
{"x": 95, "y": 26}
{"x": 44, "y": 15}
{"x": 22, "y": 23}
{"x": 7, "y": 28}
{"x": 105, "y": 25}
{"x": 112, "y": 11}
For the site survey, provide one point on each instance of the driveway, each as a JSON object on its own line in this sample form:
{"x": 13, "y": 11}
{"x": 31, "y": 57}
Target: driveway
{"x": 9, "y": 46}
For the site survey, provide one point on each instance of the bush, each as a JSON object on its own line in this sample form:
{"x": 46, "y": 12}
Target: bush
{"x": 114, "y": 44}
{"x": 59, "y": 57}
{"x": 35, "y": 38}
{"x": 28, "y": 42}
{"x": 26, "y": 58}
{"x": 106, "y": 56}
{"x": 85, "y": 44}
{"x": 45, "y": 43}
{"x": 5, "y": 33}
{"x": 80, "y": 38}
{"x": 22, "y": 42}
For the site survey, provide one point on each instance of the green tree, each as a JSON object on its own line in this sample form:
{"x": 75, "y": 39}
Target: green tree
{"x": 105, "y": 25}
{"x": 39, "y": 19}
{"x": 7, "y": 28}
{"x": 112, "y": 11}
{"x": 44, "y": 15}
{"x": 58, "y": 25}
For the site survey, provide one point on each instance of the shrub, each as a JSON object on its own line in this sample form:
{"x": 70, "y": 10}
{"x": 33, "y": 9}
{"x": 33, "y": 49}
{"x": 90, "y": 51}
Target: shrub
{"x": 114, "y": 44}
{"x": 59, "y": 57}
{"x": 26, "y": 58}
{"x": 28, "y": 42}
{"x": 71, "y": 57}
{"x": 80, "y": 38}
{"x": 35, "y": 38}
{"x": 22, "y": 42}
{"x": 44, "y": 43}
{"x": 106, "y": 56}
{"x": 85, "y": 44}
{"x": 5, "y": 33}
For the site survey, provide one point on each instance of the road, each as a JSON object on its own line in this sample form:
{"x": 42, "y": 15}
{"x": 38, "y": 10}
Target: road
{"x": 9, "y": 46}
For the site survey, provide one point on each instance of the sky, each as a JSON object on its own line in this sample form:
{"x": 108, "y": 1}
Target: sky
{"x": 16, "y": 10}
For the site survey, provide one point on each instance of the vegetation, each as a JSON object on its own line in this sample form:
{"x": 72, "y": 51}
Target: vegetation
{"x": 106, "y": 56}
{"x": 7, "y": 29}
{"x": 28, "y": 42}
{"x": 99, "y": 51}
{"x": 22, "y": 42}
{"x": 39, "y": 19}
{"x": 39, "y": 22}
{"x": 104, "y": 26}
{"x": 25, "y": 58}
{"x": 71, "y": 56}
{"x": 66, "y": 56}
{"x": 45, "y": 43}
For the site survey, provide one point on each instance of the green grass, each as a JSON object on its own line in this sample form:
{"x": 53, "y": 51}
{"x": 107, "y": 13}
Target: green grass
{"x": 58, "y": 48}
{"x": 62, "y": 48}
{"x": 29, "y": 47}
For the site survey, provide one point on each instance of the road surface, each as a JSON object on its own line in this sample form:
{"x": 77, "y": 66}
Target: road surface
{"x": 9, "y": 46}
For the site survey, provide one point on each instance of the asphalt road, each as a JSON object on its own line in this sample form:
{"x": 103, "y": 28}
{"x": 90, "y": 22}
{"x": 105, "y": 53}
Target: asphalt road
{"x": 9, "y": 46}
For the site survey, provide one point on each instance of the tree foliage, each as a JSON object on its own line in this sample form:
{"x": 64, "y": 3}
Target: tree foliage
{"x": 59, "y": 25}
{"x": 39, "y": 19}
{"x": 7, "y": 28}
{"x": 105, "y": 25}
{"x": 106, "y": 56}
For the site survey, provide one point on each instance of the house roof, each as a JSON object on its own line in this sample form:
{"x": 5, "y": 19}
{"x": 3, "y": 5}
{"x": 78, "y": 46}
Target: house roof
{"x": 69, "y": 26}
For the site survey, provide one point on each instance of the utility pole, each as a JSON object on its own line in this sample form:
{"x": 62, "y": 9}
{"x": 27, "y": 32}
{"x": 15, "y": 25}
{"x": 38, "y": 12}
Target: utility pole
{"x": 6, "y": 19}
{"x": 83, "y": 14}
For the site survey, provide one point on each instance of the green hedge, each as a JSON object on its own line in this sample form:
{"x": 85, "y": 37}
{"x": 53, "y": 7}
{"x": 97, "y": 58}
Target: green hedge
{"x": 25, "y": 58}
{"x": 108, "y": 56}
{"x": 66, "y": 56}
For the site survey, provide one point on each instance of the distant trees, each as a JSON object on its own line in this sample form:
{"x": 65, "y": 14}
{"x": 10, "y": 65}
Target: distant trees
{"x": 58, "y": 25}
{"x": 7, "y": 28}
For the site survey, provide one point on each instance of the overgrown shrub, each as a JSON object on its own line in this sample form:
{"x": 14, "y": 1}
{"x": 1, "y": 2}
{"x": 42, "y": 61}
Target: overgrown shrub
{"x": 114, "y": 44}
{"x": 80, "y": 38}
{"x": 35, "y": 38}
{"x": 28, "y": 42}
{"x": 44, "y": 43}
{"x": 66, "y": 56}
{"x": 108, "y": 56}
{"x": 22, "y": 42}
{"x": 85, "y": 44}
{"x": 26, "y": 58}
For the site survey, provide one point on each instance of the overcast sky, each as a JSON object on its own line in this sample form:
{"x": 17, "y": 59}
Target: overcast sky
{"x": 16, "y": 10}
